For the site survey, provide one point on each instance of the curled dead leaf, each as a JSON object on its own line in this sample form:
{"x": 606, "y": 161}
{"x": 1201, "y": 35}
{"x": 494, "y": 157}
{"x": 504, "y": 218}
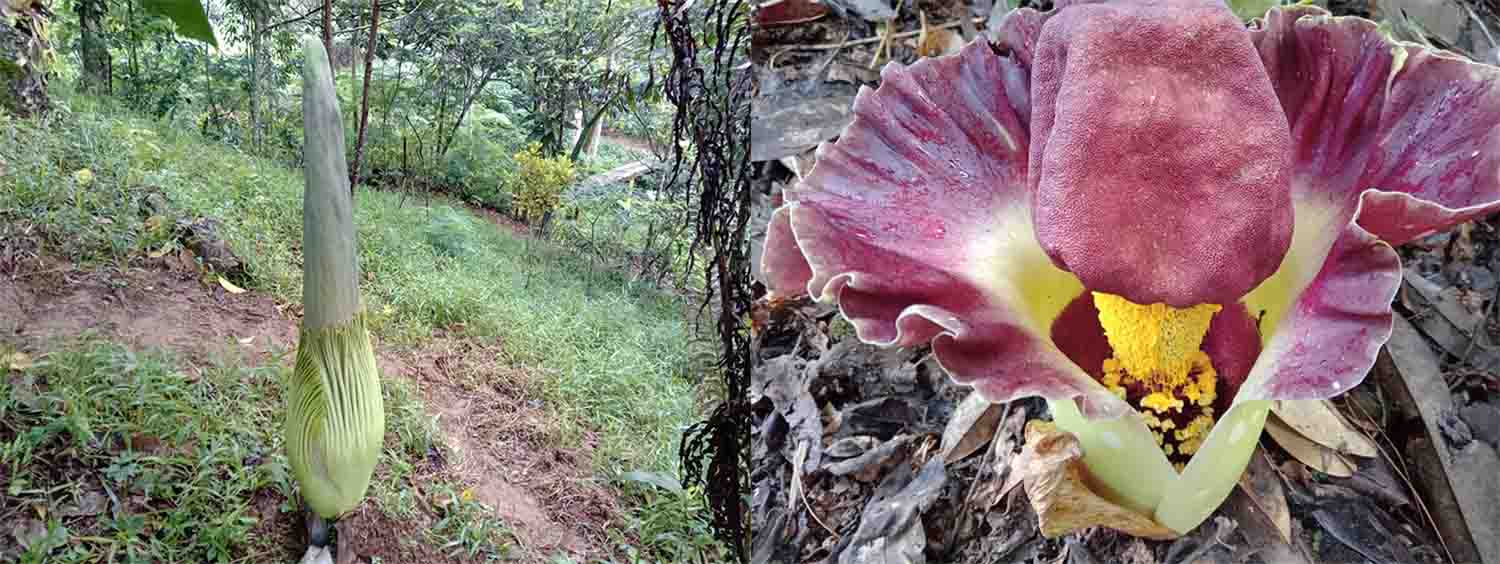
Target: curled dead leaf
{"x": 230, "y": 287}
{"x": 788, "y": 12}
{"x": 1319, "y": 422}
{"x": 970, "y": 428}
{"x": 1051, "y": 468}
{"x": 1314, "y": 455}
{"x": 1262, "y": 485}
{"x": 936, "y": 41}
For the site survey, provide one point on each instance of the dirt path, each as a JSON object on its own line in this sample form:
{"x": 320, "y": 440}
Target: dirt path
{"x": 504, "y": 439}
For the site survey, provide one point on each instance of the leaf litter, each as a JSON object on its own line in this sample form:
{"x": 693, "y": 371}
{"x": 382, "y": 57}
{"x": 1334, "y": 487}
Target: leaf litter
{"x": 879, "y": 440}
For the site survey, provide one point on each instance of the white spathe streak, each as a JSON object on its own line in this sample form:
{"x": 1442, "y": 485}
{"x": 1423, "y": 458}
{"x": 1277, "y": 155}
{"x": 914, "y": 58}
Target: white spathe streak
{"x": 1316, "y": 227}
{"x": 1319, "y": 224}
{"x": 1010, "y": 265}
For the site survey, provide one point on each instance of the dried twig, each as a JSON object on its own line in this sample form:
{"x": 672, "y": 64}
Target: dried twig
{"x": 1479, "y": 22}
{"x": 800, "y": 492}
{"x": 1479, "y": 326}
{"x": 1397, "y": 464}
{"x": 864, "y": 41}
{"x": 885, "y": 42}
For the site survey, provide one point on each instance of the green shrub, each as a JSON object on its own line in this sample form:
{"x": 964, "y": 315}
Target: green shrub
{"x": 450, "y": 233}
{"x": 539, "y": 181}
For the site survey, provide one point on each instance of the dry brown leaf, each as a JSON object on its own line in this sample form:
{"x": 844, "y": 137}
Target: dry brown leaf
{"x": 188, "y": 259}
{"x": 788, "y": 12}
{"x": 1051, "y": 468}
{"x": 1261, "y": 540}
{"x": 1314, "y": 455}
{"x": 155, "y": 222}
{"x": 936, "y": 41}
{"x": 1319, "y": 422}
{"x": 794, "y": 493}
{"x": 1263, "y": 486}
{"x": 230, "y": 287}
{"x": 971, "y": 426}
{"x": 16, "y": 361}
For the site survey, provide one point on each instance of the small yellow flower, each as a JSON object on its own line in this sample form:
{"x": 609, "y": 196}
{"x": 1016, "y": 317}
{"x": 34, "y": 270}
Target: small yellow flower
{"x": 84, "y": 176}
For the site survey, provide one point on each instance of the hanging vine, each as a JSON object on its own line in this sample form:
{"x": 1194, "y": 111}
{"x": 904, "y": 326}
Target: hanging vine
{"x": 711, "y": 89}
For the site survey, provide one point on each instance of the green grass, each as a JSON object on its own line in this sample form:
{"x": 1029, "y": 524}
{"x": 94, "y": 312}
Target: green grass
{"x": 123, "y": 453}
{"x": 614, "y": 358}
{"x": 617, "y": 356}
{"x": 158, "y": 463}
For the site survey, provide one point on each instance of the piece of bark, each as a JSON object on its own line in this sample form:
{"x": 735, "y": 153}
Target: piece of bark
{"x": 1461, "y": 489}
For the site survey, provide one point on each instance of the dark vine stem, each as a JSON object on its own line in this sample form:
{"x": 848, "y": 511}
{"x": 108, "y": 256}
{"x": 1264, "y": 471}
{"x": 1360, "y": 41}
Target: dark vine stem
{"x": 710, "y": 156}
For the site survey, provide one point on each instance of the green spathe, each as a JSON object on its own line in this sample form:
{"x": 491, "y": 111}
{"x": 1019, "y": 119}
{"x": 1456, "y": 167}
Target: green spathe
{"x": 335, "y": 418}
{"x": 330, "y": 276}
{"x": 336, "y": 422}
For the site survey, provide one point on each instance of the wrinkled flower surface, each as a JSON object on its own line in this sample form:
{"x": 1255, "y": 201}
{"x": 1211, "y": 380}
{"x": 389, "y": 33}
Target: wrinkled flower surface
{"x": 1156, "y": 218}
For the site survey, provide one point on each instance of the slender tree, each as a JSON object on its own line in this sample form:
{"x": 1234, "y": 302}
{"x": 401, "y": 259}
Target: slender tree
{"x": 92, "y": 48}
{"x": 328, "y": 28}
{"x": 364, "y": 99}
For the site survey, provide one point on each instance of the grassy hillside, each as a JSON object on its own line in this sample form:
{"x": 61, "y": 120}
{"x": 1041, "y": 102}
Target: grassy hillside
{"x": 614, "y": 361}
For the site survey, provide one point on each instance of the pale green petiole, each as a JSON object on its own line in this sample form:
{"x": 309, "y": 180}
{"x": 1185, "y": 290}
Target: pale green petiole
{"x": 1129, "y": 468}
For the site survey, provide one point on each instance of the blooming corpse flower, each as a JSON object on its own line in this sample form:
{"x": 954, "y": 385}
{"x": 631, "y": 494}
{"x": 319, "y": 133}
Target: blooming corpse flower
{"x": 1157, "y": 219}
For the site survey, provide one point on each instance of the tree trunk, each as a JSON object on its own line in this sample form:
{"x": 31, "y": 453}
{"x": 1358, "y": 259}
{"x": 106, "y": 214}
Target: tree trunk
{"x": 575, "y": 129}
{"x": 393, "y": 93}
{"x": 598, "y": 129}
{"x": 23, "y": 88}
{"x": 592, "y": 125}
{"x": 135, "y": 39}
{"x": 592, "y": 147}
{"x": 364, "y": 102}
{"x": 256, "y": 23}
{"x": 468, "y": 102}
{"x": 91, "y": 48}
{"x": 328, "y": 29}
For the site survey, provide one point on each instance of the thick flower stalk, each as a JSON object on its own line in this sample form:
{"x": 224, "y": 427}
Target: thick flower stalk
{"x": 335, "y": 420}
{"x": 1156, "y": 218}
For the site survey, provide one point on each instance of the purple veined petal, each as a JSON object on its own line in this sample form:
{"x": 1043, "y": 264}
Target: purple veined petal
{"x": 1018, "y": 33}
{"x": 1329, "y": 305}
{"x": 1329, "y": 308}
{"x": 787, "y": 271}
{"x": 917, "y": 222}
{"x": 1420, "y": 126}
{"x": 1390, "y": 141}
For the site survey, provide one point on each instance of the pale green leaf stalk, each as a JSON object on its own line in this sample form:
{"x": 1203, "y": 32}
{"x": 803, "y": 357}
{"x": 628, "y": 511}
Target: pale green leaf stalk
{"x": 335, "y": 420}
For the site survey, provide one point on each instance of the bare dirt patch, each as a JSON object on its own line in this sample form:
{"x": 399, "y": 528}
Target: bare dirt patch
{"x": 507, "y": 446}
{"x": 506, "y": 438}
{"x": 143, "y": 307}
